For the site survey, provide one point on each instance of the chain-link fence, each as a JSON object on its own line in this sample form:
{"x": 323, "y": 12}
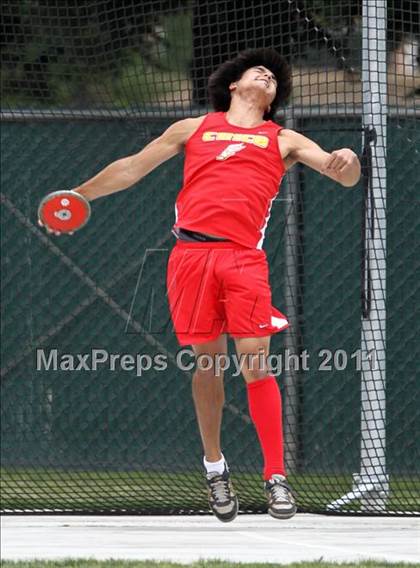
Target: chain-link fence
{"x": 86, "y": 83}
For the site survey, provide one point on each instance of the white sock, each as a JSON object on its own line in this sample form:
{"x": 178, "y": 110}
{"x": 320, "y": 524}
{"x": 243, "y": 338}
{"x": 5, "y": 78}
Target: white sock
{"x": 217, "y": 467}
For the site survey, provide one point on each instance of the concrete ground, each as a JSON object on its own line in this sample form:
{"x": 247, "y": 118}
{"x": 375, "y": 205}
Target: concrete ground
{"x": 250, "y": 538}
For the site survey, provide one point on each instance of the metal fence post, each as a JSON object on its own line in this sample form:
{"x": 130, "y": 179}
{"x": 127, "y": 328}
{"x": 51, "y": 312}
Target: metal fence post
{"x": 371, "y": 485}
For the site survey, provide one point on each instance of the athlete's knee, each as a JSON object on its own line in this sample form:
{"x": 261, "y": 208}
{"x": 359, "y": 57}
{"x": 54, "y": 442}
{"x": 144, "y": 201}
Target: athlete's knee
{"x": 253, "y": 352}
{"x": 251, "y": 375}
{"x": 215, "y": 364}
{"x": 206, "y": 374}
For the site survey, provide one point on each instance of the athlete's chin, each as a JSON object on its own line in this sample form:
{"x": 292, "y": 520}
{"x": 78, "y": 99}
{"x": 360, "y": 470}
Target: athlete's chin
{"x": 263, "y": 96}
{"x": 266, "y": 95}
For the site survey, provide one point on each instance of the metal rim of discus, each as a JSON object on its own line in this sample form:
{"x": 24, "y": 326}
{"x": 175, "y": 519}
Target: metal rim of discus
{"x": 65, "y": 213}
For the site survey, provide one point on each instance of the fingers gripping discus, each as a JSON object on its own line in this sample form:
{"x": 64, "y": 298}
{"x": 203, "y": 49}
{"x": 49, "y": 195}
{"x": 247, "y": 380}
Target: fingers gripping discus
{"x": 64, "y": 211}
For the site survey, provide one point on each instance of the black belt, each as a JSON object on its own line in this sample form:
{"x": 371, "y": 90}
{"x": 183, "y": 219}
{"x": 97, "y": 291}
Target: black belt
{"x": 194, "y": 236}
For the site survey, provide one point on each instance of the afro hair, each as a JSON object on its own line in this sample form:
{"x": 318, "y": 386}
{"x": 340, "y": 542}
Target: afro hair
{"x": 233, "y": 69}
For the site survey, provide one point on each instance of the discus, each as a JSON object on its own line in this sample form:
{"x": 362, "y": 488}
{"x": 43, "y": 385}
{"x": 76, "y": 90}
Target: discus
{"x": 64, "y": 211}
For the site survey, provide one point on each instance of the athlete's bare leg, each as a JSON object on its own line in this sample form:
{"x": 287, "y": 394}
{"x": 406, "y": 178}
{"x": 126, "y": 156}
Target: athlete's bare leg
{"x": 209, "y": 397}
{"x": 253, "y": 353}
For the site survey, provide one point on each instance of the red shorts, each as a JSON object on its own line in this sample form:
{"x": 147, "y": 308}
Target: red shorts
{"x": 220, "y": 287}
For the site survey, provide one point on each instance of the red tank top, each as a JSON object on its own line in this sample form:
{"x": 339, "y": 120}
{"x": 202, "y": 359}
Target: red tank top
{"x": 231, "y": 178}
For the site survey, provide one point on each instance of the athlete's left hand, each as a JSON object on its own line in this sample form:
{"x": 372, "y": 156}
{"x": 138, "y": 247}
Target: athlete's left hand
{"x": 339, "y": 161}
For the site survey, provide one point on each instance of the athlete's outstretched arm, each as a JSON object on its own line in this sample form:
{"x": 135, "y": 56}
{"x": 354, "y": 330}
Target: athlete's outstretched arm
{"x": 341, "y": 165}
{"x": 127, "y": 171}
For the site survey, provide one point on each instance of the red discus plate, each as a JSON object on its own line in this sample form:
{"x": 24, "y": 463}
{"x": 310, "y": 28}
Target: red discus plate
{"x": 64, "y": 211}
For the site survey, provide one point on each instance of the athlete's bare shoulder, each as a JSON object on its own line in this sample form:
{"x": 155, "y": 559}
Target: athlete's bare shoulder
{"x": 287, "y": 134}
{"x": 287, "y": 140}
{"x": 184, "y": 129}
{"x": 195, "y": 121}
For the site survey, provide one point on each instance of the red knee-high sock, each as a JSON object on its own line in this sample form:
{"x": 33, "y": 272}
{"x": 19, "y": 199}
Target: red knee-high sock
{"x": 264, "y": 402}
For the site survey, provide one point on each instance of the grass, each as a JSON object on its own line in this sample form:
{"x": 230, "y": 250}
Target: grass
{"x": 89, "y": 563}
{"x": 162, "y": 492}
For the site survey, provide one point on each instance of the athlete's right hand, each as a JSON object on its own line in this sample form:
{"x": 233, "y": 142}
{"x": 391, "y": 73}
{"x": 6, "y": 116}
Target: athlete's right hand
{"x": 50, "y": 231}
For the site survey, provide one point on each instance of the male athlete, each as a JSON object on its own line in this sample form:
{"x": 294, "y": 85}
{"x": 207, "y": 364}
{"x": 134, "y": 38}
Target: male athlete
{"x": 217, "y": 278}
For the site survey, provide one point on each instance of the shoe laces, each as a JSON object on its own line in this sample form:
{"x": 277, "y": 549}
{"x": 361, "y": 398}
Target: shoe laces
{"x": 280, "y": 491}
{"x": 220, "y": 489}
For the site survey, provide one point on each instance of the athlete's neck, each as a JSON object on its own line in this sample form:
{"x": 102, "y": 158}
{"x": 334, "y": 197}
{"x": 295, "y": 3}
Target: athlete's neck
{"x": 246, "y": 115}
